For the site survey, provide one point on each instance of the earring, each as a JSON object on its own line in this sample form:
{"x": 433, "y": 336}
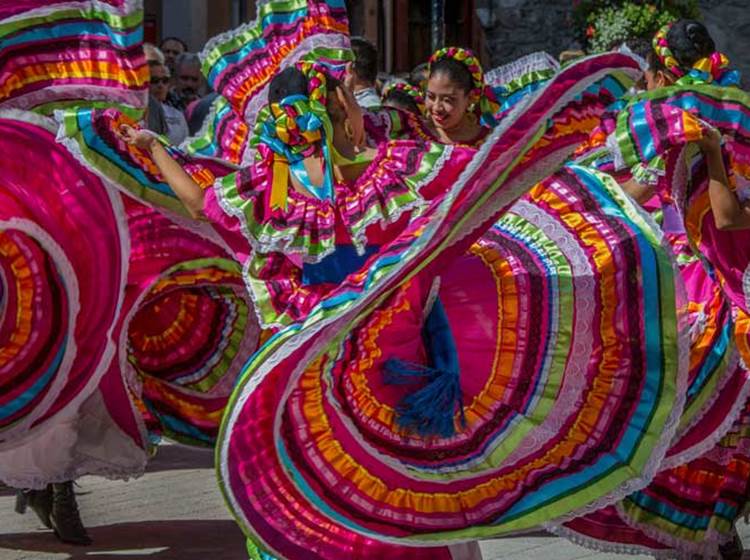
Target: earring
{"x": 348, "y": 130}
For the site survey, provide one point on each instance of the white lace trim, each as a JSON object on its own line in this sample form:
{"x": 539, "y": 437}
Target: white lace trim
{"x": 708, "y": 548}
{"x": 28, "y": 101}
{"x": 614, "y": 149}
{"x": 68, "y": 273}
{"x": 85, "y": 440}
{"x": 533, "y": 62}
{"x": 746, "y": 286}
{"x": 605, "y": 546}
{"x": 642, "y": 62}
{"x": 47, "y": 123}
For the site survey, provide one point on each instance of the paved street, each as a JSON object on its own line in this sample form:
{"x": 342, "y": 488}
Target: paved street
{"x": 175, "y": 512}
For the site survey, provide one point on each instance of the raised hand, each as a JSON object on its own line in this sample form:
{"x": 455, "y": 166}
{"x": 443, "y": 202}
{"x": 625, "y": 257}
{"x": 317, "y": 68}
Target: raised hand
{"x": 140, "y": 138}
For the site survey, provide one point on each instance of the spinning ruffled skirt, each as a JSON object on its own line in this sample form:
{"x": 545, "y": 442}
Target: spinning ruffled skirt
{"x": 692, "y": 504}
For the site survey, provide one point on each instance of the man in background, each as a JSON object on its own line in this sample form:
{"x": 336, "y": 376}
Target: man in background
{"x": 188, "y": 81}
{"x": 362, "y": 73}
{"x": 172, "y": 47}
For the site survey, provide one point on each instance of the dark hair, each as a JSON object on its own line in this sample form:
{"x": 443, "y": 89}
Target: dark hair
{"x": 401, "y": 100}
{"x": 455, "y": 71}
{"x": 689, "y": 41}
{"x": 638, "y": 45}
{"x": 418, "y": 74}
{"x": 189, "y": 60}
{"x": 365, "y": 64}
{"x": 289, "y": 81}
{"x": 176, "y": 40}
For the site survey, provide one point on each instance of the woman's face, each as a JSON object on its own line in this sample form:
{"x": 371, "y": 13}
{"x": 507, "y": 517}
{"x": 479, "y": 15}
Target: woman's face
{"x": 445, "y": 102}
{"x": 159, "y": 81}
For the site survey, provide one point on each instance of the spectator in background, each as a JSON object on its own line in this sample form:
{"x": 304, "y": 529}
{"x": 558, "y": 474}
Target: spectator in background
{"x": 172, "y": 47}
{"x": 188, "y": 82}
{"x": 176, "y": 126}
{"x": 155, "y": 119}
{"x": 362, "y": 72}
{"x": 153, "y": 54}
{"x": 418, "y": 76}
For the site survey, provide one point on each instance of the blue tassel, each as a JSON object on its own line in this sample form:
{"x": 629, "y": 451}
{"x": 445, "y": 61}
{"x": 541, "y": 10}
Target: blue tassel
{"x": 428, "y": 411}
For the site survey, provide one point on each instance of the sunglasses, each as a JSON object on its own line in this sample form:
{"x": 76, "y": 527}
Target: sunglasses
{"x": 156, "y": 80}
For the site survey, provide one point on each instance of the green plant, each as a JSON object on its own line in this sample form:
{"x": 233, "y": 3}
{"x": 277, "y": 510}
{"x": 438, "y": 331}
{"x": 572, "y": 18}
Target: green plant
{"x": 605, "y": 23}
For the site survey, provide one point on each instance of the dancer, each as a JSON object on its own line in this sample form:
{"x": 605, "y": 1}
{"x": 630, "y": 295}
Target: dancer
{"x": 95, "y": 369}
{"x": 692, "y": 504}
{"x": 403, "y": 96}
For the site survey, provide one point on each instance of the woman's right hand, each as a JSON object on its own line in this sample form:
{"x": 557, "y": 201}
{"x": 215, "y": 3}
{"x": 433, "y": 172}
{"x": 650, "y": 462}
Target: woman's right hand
{"x": 140, "y": 138}
{"x": 711, "y": 141}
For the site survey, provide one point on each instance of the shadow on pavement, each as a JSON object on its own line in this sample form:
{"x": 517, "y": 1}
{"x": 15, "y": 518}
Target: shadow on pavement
{"x": 173, "y": 456}
{"x": 152, "y": 540}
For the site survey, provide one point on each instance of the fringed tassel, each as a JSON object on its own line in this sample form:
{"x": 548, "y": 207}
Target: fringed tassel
{"x": 430, "y": 410}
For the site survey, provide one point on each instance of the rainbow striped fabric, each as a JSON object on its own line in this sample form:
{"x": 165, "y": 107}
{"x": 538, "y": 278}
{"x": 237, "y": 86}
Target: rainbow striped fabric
{"x": 60, "y": 307}
{"x": 55, "y": 55}
{"x": 240, "y": 64}
{"x": 691, "y": 505}
{"x": 190, "y": 327}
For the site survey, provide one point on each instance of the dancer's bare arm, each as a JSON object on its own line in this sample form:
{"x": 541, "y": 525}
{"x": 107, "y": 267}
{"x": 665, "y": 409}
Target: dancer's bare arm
{"x": 729, "y": 212}
{"x": 186, "y": 189}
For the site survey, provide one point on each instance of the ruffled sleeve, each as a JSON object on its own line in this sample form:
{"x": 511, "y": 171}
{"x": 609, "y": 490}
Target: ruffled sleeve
{"x": 310, "y": 228}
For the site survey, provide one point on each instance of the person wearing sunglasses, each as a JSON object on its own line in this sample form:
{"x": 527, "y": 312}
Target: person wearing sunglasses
{"x": 177, "y": 128}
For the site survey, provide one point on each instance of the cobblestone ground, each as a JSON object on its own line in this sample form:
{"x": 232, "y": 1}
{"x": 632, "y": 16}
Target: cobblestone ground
{"x": 175, "y": 512}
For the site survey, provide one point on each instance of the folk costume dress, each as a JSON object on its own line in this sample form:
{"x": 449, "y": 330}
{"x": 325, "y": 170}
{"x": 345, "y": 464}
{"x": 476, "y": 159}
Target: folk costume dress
{"x": 118, "y": 325}
{"x": 702, "y": 489}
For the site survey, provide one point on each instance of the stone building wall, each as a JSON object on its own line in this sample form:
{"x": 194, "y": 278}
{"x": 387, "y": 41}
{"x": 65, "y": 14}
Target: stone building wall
{"x": 514, "y": 28}
{"x": 728, "y": 21}
{"x": 517, "y": 27}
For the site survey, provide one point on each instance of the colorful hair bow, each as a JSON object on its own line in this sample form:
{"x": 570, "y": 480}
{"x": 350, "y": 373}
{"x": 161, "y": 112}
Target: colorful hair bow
{"x": 482, "y": 97}
{"x": 711, "y": 69}
{"x": 294, "y": 129}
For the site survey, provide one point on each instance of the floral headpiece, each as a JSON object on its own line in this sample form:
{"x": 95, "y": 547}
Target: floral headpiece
{"x": 293, "y": 129}
{"x": 413, "y": 92}
{"x": 713, "y": 68}
{"x": 482, "y": 97}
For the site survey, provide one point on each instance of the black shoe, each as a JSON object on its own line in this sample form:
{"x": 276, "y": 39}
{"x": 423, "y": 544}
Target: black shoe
{"x": 65, "y": 519}
{"x": 40, "y": 501}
